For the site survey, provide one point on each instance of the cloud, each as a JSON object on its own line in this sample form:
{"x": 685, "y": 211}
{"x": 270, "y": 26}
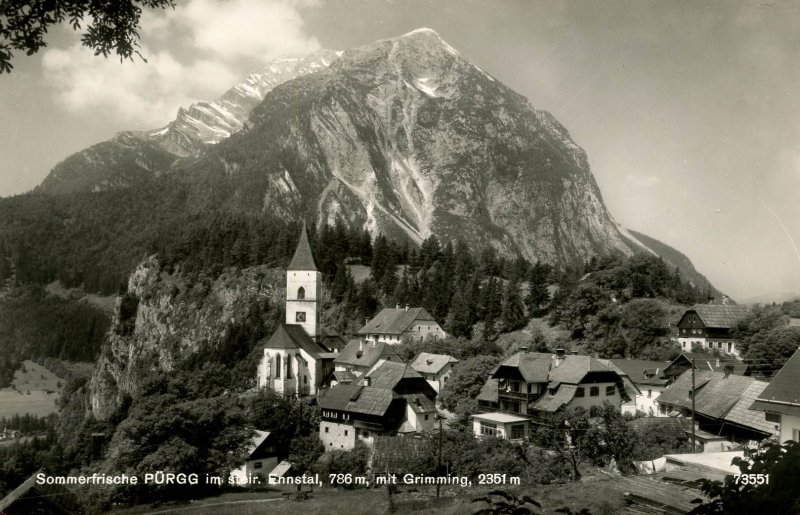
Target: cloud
{"x": 194, "y": 52}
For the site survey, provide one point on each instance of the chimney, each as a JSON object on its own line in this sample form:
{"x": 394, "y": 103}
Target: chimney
{"x": 406, "y": 307}
{"x": 361, "y": 344}
{"x": 523, "y": 348}
{"x": 397, "y": 306}
{"x": 725, "y": 300}
{"x": 711, "y": 300}
{"x": 558, "y": 357}
{"x": 367, "y": 381}
{"x": 429, "y": 362}
{"x": 717, "y": 361}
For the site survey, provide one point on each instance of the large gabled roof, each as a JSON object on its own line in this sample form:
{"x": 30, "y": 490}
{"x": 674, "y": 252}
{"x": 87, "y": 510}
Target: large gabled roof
{"x": 389, "y": 374}
{"x": 367, "y": 400}
{"x": 782, "y": 395}
{"x": 719, "y": 316}
{"x": 533, "y": 366}
{"x": 394, "y": 320}
{"x": 303, "y": 259}
{"x": 365, "y": 354}
{"x": 292, "y": 336}
{"x": 719, "y": 396}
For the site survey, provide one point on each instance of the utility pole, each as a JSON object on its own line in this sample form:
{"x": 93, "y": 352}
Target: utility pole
{"x": 439, "y": 460}
{"x": 693, "y": 393}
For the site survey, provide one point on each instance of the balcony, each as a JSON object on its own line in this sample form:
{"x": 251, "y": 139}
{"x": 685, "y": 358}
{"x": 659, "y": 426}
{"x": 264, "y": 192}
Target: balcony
{"x": 520, "y": 396}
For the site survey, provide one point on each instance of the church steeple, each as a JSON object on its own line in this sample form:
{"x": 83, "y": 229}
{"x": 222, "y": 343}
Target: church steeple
{"x": 303, "y": 259}
{"x": 303, "y": 288}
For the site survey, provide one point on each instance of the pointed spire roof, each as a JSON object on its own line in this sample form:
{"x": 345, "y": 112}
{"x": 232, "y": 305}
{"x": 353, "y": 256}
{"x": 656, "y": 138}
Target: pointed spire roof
{"x": 303, "y": 259}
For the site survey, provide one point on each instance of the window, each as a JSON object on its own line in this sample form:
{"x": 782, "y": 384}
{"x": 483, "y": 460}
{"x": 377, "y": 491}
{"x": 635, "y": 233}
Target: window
{"x": 300, "y": 316}
{"x": 515, "y": 386}
{"x": 594, "y": 391}
{"x": 301, "y": 293}
{"x": 517, "y": 432}
{"x": 346, "y": 432}
{"x": 326, "y": 429}
{"x": 580, "y": 392}
{"x": 288, "y": 367}
{"x": 278, "y": 366}
{"x": 426, "y": 416}
{"x": 258, "y": 465}
{"x": 610, "y": 391}
{"x": 488, "y": 429}
{"x": 366, "y": 434}
{"x": 649, "y": 393}
{"x": 730, "y": 347}
{"x": 773, "y": 417}
{"x": 305, "y": 379}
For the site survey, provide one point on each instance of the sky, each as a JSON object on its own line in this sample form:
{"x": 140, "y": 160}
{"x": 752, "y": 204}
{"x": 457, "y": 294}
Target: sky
{"x": 689, "y": 111}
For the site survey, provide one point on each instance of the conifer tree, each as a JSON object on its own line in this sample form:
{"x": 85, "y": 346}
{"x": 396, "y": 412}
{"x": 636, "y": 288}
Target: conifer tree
{"x": 512, "y": 315}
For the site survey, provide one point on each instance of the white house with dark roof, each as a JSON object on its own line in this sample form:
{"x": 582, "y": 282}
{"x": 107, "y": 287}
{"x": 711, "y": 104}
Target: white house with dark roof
{"x": 780, "y": 400}
{"x": 388, "y": 400}
{"x": 262, "y": 457}
{"x": 709, "y": 326}
{"x": 294, "y": 361}
{"x": 391, "y": 325}
{"x": 435, "y": 368}
{"x": 649, "y": 381}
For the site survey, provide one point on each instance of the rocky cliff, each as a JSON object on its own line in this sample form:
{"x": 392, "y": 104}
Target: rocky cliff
{"x": 164, "y": 318}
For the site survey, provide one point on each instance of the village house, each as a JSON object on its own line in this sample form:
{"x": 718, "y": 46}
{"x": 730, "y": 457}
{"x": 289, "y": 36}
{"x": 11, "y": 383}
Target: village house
{"x": 648, "y": 377}
{"x": 780, "y": 400}
{"x": 704, "y": 361}
{"x": 361, "y": 356}
{"x": 709, "y": 326}
{"x": 535, "y": 385}
{"x": 435, "y": 368}
{"x": 294, "y": 361}
{"x": 391, "y": 399}
{"x": 391, "y": 325}
{"x": 721, "y": 405}
{"x": 262, "y": 457}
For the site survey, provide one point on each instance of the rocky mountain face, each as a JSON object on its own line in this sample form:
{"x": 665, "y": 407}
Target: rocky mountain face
{"x": 402, "y": 136}
{"x": 163, "y": 318}
{"x": 133, "y": 156}
{"x": 405, "y": 137}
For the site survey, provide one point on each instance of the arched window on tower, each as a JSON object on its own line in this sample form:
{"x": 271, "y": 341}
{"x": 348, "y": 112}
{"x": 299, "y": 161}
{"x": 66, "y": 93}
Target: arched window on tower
{"x": 278, "y": 366}
{"x": 301, "y": 293}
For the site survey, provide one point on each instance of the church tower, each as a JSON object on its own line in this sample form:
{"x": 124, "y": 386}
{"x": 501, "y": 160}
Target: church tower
{"x": 303, "y": 287}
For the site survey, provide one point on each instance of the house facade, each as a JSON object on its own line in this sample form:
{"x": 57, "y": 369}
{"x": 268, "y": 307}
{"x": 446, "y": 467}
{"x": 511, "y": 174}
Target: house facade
{"x": 501, "y": 425}
{"x": 391, "y": 399}
{"x": 650, "y": 382}
{"x": 391, "y": 325}
{"x": 360, "y": 356}
{"x": 709, "y": 326}
{"x": 294, "y": 362}
{"x": 435, "y": 368}
{"x": 535, "y": 385}
{"x": 780, "y": 400}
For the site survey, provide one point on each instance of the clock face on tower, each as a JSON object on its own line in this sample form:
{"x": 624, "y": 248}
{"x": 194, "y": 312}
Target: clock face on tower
{"x": 300, "y": 316}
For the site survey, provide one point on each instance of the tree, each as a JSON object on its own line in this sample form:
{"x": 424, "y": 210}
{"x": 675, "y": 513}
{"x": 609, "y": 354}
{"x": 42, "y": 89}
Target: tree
{"x": 779, "y": 495}
{"x": 114, "y": 26}
{"x": 466, "y": 381}
{"x": 537, "y": 287}
{"x": 768, "y": 354}
{"x": 512, "y": 313}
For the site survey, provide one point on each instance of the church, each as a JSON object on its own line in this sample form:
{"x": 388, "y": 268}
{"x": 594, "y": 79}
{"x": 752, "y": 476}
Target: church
{"x": 295, "y": 361}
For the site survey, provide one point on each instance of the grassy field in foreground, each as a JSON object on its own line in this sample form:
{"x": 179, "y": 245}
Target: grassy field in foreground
{"x": 598, "y": 495}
